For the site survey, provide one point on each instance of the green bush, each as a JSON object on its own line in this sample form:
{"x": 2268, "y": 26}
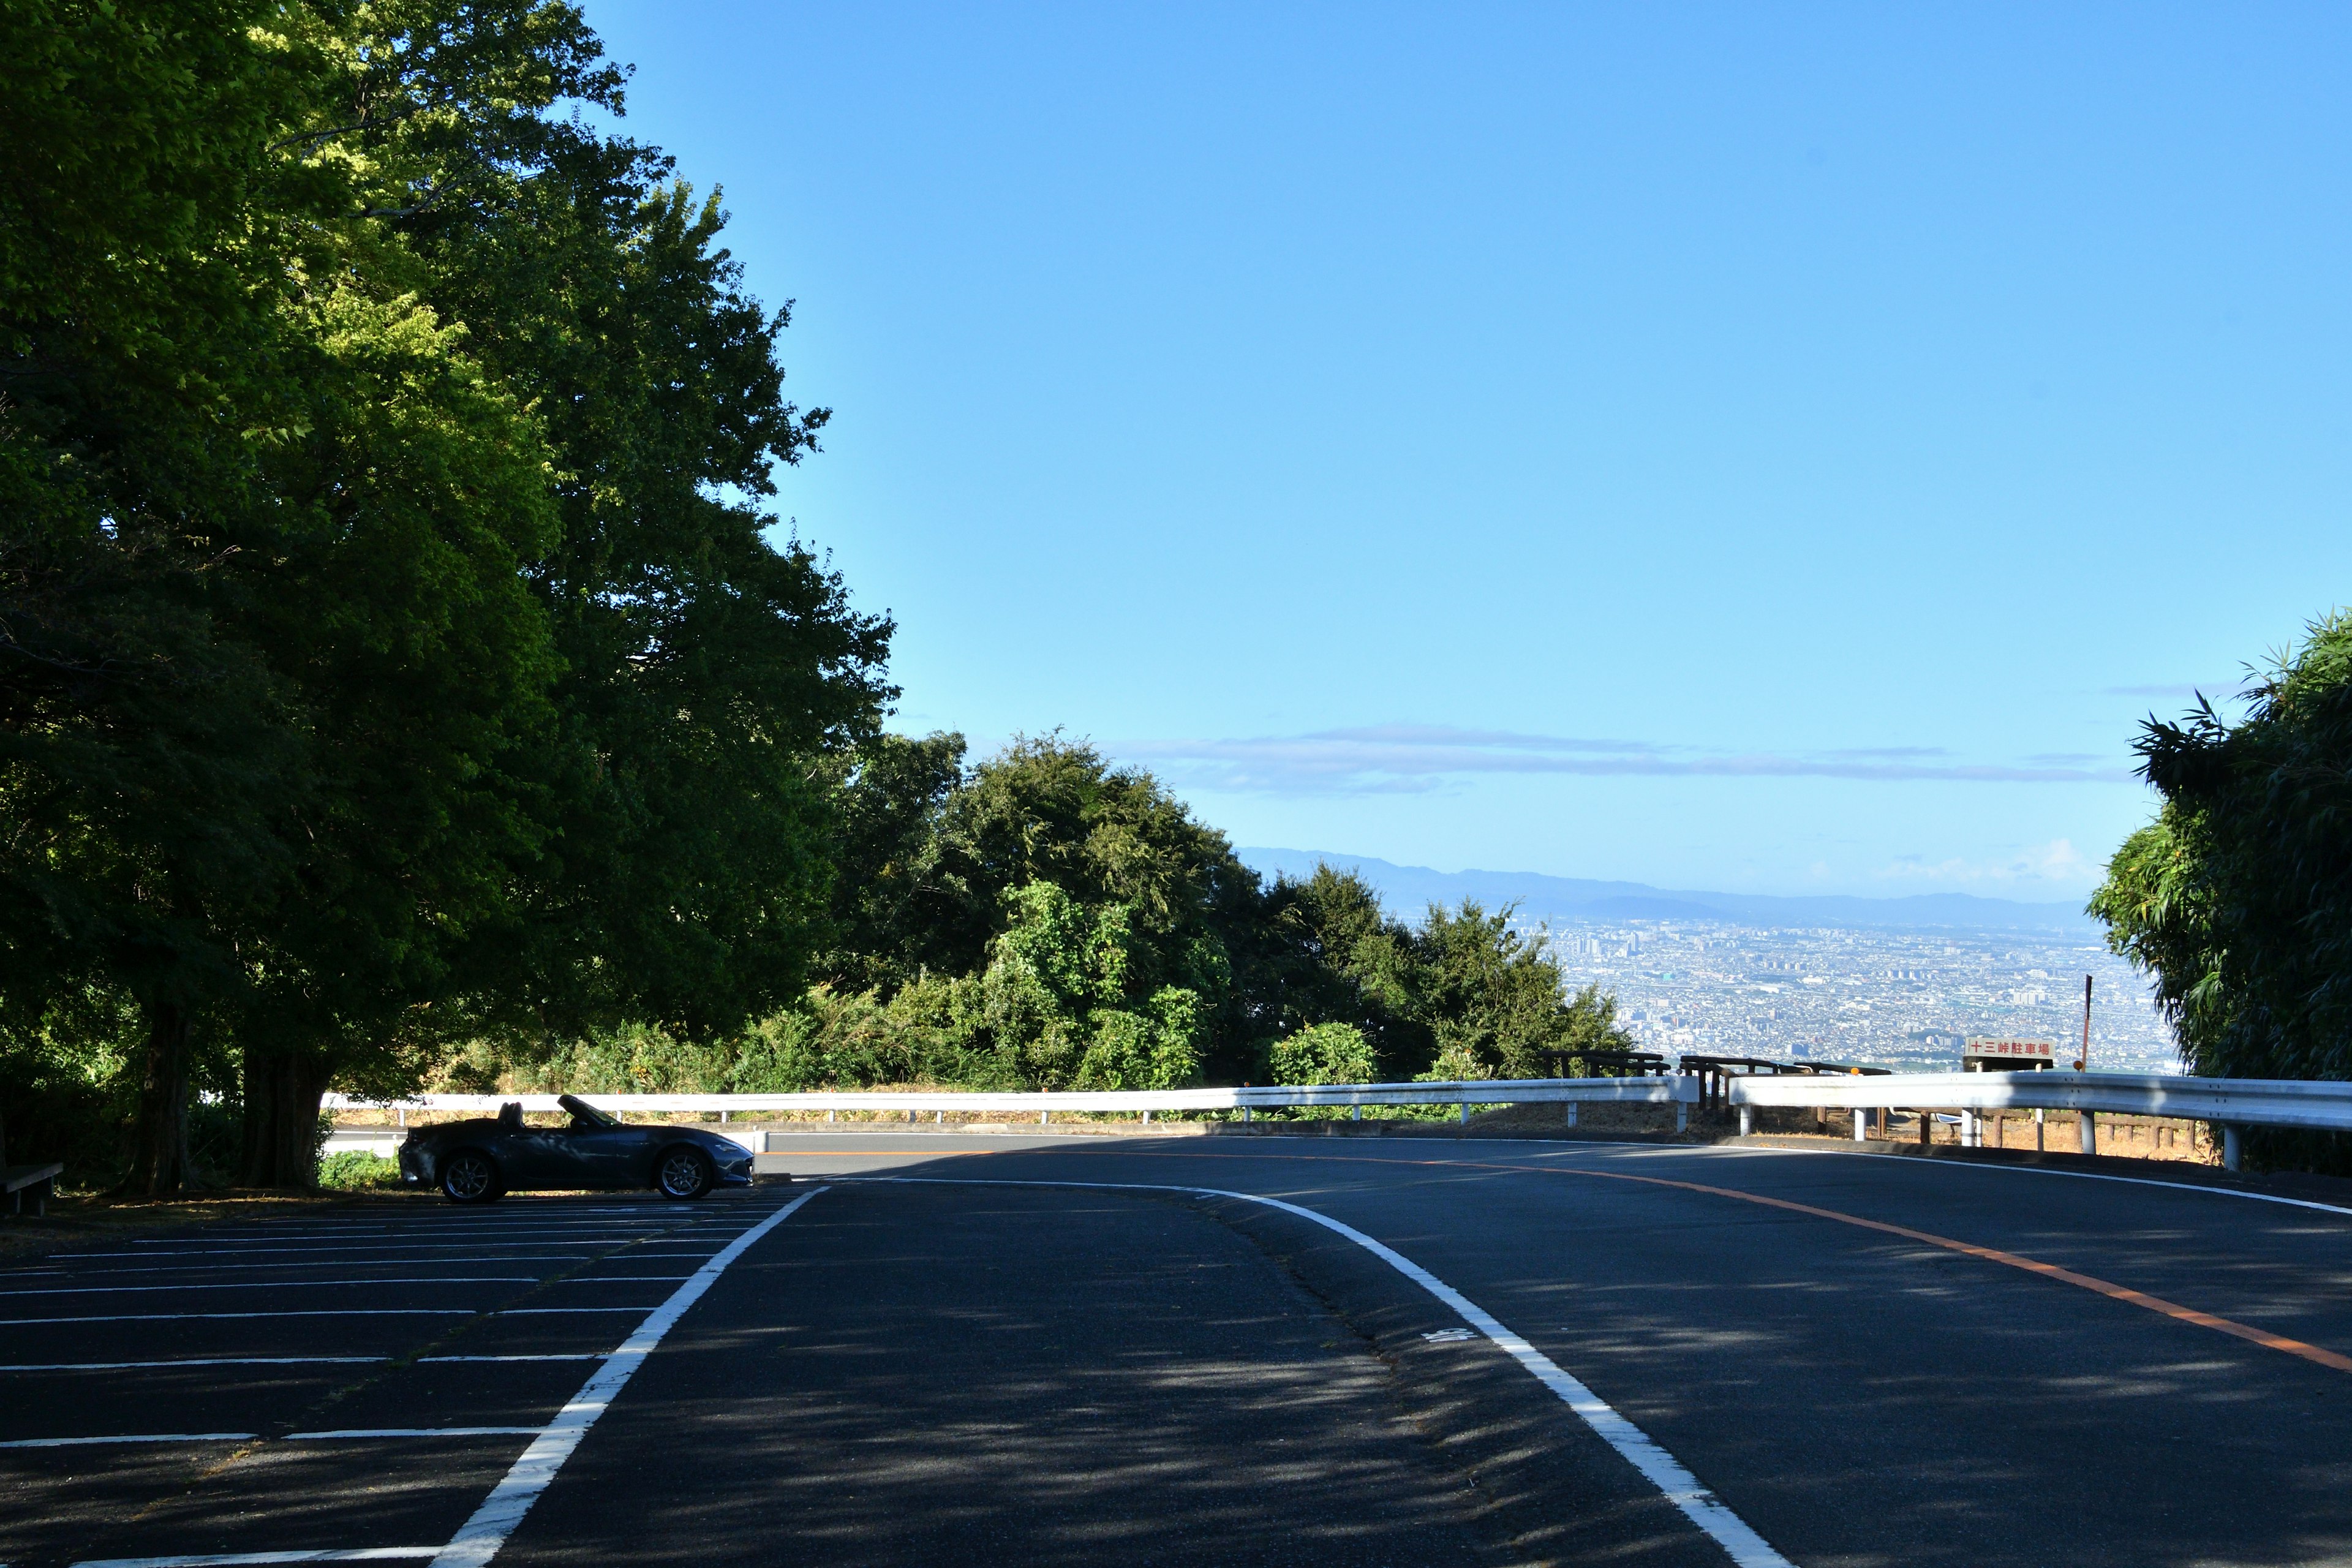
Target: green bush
{"x": 356, "y": 1169}
{"x": 1323, "y": 1053}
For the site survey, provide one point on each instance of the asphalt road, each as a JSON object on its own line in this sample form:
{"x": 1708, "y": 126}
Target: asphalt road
{"x": 946, "y": 1357}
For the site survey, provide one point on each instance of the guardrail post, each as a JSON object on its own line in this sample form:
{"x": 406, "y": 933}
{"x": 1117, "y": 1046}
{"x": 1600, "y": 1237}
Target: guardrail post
{"x": 1355, "y": 1113}
{"x": 1466, "y": 1108}
{"x": 2229, "y": 1148}
{"x": 1147, "y": 1119}
{"x": 2040, "y": 1130}
{"x": 1746, "y": 1120}
{"x": 1041, "y": 1119}
{"x": 2086, "y": 1132}
{"x": 1571, "y": 1113}
{"x": 1245, "y": 1113}
{"x": 830, "y": 1114}
{"x": 1861, "y": 1125}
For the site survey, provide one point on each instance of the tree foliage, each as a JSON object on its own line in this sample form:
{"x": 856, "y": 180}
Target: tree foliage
{"x": 2238, "y": 897}
{"x": 392, "y": 647}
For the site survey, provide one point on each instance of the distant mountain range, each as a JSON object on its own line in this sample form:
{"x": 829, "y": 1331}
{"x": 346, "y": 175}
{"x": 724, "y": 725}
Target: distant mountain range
{"x": 1408, "y": 890}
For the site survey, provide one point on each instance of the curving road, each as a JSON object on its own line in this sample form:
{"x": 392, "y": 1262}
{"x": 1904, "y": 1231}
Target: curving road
{"x": 956, "y": 1354}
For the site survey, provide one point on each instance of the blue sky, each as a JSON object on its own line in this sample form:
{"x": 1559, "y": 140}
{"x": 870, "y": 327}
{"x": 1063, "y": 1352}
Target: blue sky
{"x": 1782, "y": 449}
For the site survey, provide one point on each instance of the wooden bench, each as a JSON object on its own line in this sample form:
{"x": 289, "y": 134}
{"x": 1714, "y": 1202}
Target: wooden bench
{"x": 41, "y": 1181}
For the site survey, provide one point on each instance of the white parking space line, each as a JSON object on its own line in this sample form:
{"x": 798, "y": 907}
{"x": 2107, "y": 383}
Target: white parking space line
{"x": 226, "y": 1559}
{"x": 199, "y": 1361}
{"x": 412, "y": 1432}
{"x": 278, "y": 1285}
{"x": 1660, "y": 1469}
{"x": 130, "y": 1437}
{"x": 332, "y": 1263}
{"x": 479, "y": 1541}
{"x": 261, "y": 1238}
{"x": 355, "y": 1247}
{"x": 188, "y": 1317}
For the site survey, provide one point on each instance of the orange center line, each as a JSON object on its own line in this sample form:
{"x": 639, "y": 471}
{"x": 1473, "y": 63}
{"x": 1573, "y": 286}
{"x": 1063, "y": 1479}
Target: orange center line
{"x": 2174, "y": 1310}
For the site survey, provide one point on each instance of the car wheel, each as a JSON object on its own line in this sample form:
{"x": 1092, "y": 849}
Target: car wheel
{"x": 469, "y": 1176}
{"x": 684, "y": 1173}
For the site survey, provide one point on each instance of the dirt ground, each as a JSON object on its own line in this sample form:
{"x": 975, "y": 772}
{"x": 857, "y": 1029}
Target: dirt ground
{"x": 2126, "y": 1137}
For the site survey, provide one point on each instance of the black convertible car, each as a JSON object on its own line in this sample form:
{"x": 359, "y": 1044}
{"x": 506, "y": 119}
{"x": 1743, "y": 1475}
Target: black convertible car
{"x": 479, "y": 1161}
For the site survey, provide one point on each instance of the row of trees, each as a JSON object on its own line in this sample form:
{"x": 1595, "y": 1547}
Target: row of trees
{"x": 1044, "y": 920}
{"x": 392, "y": 650}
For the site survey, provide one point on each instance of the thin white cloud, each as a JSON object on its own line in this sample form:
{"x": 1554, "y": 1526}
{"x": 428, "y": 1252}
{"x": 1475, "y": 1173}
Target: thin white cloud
{"x": 2056, "y": 862}
{"x": 1390, "y": 758}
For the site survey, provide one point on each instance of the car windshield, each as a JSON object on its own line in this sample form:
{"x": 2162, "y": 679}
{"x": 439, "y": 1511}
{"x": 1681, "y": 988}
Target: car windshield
{"x": 584, "y": 1114}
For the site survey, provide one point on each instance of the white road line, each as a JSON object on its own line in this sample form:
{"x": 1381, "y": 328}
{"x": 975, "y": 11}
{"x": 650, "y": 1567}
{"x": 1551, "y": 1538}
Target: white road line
{"x": 412, "y": 1432}
{"x": 206, "y": 1360}
{"x": 1662, "y": 1469}
{"x": 185, "y": 1317}
{"x": 279, "y": 1285}
{"x": 551, "y": 1311}
{"x": 338, "y": 1263}
{"x": 130, "y": 1437}
{"x": 481, "y": 1536}
{"x": 624, "y": 1279}
{"x": 249, "y": 1251}
{"x": 567, "y": 1355}
{"x": 226, "y": 1559}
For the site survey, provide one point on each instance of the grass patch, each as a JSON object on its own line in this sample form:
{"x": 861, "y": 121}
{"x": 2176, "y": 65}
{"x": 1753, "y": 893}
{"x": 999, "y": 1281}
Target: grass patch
{"x": 356, "y": 1169}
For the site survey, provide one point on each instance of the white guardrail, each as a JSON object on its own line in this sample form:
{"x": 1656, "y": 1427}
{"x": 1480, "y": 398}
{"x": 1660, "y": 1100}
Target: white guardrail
{"x": 1679, "y": 1091}
{"x": 2249, "y": 1101}
{"x": 2228, "y": 1103}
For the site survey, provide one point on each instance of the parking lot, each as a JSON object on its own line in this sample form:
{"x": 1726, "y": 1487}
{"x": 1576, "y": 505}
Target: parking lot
{"x": 352, "y": 1386}
{"x": 1188, "y": 1351}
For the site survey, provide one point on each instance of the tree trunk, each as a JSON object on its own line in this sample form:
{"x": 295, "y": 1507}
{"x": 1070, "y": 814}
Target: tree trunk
{"x": 282, "y": 1119}
{"x": 159, "y": 1133}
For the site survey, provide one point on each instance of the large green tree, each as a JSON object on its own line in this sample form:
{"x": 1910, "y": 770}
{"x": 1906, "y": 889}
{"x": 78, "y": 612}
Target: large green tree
{"x": 392, "y": 646}
{"x": 2238, "y": 897}
{"x": 708, "y": 669}
{"x": 148, "y": 754}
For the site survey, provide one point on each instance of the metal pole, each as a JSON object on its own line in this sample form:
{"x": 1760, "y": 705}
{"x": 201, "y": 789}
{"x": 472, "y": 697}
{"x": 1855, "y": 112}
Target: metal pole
{"x": 2083, "y": 1063}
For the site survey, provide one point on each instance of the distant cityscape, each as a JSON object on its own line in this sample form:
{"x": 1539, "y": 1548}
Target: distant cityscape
{"x": 1906, "y": 1000}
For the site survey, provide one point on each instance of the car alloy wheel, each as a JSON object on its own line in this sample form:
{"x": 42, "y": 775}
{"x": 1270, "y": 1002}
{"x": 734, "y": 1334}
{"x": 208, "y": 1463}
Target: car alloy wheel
{"x": 684, "y": 1173}
{"x": 468, "y": 1176}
